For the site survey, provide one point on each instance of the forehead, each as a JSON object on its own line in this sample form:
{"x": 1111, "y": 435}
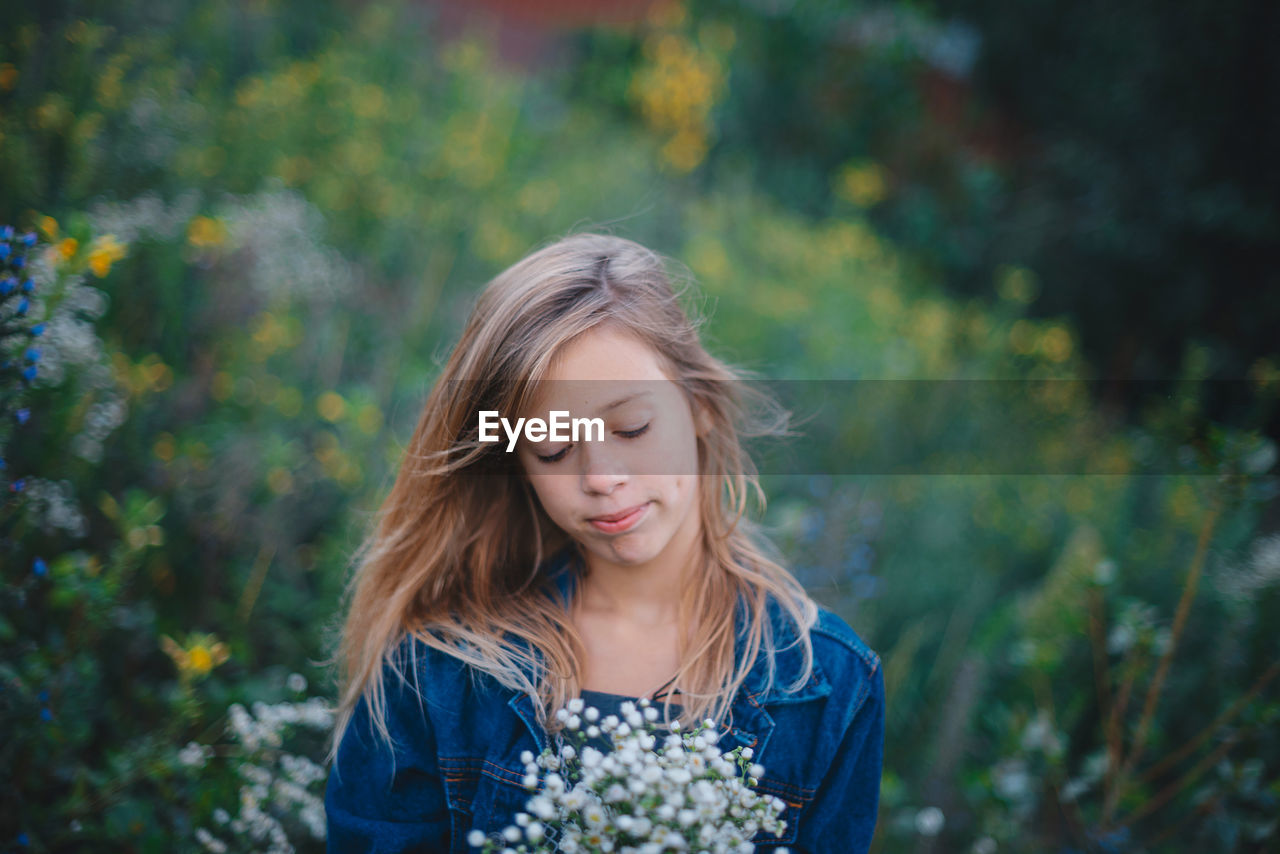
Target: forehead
{"x": 605, "y": 353}
{"x": 599, "y": 368}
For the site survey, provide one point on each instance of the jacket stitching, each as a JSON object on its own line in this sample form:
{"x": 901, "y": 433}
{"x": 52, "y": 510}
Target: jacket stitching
{"x": 797, "y": 796}
{"x": 463, "y": 769}
{"x": 868, "y": 656}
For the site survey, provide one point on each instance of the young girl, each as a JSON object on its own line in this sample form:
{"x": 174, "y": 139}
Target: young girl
{"x": 503, "y": 578}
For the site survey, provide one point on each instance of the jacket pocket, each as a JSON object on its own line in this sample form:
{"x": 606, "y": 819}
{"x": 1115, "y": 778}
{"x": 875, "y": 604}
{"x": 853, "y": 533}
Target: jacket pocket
{"x": 461, "y": 776}
{"x": 795, "y": 798}
{"x": 484, "y": 795}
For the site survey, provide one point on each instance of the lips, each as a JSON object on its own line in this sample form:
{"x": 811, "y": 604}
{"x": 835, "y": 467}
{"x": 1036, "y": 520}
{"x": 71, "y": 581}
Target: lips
{"x": 616, "y": 517}
{"x": 623, "y": 520}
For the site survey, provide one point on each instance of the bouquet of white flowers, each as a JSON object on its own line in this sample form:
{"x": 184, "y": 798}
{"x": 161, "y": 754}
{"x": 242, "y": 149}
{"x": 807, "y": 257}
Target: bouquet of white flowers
{"x": 682, "y": 796}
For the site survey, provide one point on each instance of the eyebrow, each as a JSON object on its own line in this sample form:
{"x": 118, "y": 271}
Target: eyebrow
{"x": 614, "y": 405}
{"x": 626, "y": 399}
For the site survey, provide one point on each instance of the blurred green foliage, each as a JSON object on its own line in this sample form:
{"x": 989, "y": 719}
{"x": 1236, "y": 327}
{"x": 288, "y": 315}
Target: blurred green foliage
{"x": 303, "y": 201}
{"x": 1123, "y": 151}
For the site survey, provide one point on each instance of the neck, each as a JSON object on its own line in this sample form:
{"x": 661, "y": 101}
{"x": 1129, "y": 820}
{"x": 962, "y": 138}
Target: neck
{"x": 648, "y": 594}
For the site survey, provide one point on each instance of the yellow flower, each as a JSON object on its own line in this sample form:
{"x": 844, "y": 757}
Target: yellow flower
{"x": 331, "y": 406}
{"x": 200, "y": 659}
{"x": 369, "y": 420}
{"x": 864, "y": 184}
{"x": 164, "y": 447}
{"x": 104, "y": 252}
{"x": 67, "y": 248}
{"x": 206, "y": 231}
{"x": 202, "y": 653}
{"x": 49, "y": 226}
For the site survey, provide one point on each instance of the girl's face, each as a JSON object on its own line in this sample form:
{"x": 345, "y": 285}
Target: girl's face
{"x": 631, "y": 499}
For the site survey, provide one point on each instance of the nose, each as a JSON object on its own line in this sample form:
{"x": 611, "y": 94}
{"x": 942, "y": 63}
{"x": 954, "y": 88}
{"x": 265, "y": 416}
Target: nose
{"x": 602, "y": 472}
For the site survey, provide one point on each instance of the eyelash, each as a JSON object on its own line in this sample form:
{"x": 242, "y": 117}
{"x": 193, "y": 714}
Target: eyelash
{"x": 626, "y": 434}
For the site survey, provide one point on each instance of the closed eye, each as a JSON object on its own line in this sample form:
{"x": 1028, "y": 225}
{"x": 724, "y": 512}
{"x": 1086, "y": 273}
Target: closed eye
{"x": 626, "y": 434}
{"x": 558, "y": 455}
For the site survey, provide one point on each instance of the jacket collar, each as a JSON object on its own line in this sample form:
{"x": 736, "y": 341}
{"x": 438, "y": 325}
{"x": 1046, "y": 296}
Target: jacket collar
{"x": 749, "y": 724}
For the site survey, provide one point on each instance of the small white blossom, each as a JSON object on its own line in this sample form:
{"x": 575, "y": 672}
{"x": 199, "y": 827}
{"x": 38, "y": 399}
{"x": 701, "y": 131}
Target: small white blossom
{"x": 193, "y": 755}
{"x": 650, "y": 793}
{"x": 929, "y": 821}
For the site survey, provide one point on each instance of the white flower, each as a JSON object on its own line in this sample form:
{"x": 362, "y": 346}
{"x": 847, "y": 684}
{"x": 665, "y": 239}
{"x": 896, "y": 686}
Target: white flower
{"x": 929, "y": 821}
{"x": 193, "y": 755}
{"x": 594, "y": 815}
{"x": 591, "y": 757}
{"x": 542, "y": 807}
{"x": 475, "y": 838}
{"x": 648, "y": 794}
{"x": 296, "y": 683}
{"x": 209, "y": 841}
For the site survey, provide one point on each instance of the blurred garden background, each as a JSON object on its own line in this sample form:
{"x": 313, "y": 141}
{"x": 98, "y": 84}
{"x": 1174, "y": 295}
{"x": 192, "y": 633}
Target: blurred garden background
{"x": 243, "y": 236}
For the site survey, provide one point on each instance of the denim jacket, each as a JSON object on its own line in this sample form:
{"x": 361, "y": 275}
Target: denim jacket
{"x": 456, "y": 763}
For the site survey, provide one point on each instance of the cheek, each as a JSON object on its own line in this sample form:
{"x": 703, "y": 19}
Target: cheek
{"x": 549, "y": 494}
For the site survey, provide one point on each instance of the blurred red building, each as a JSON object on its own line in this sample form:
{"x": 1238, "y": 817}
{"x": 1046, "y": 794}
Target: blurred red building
{"x": 526, "y": 33}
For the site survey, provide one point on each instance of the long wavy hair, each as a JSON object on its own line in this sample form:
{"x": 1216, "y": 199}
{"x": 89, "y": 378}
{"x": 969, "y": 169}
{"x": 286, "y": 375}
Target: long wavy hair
{"x": 452, "y": 557}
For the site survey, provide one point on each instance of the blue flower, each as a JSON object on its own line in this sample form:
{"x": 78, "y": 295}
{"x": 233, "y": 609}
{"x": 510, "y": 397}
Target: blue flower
{"x": 29, "y": 373}
{"x": 7, "y": 284}
{"x": 17, "y": 485}
{"x": 3, "y": 464}
{"x": 33, "y": 354}
{"x": 23, "y": 306}
{"x": 37, "y": 330}
{"x": 44, "y": 696}
{"x": 860, "y": 558}
{"x": 18, "y": 262}
{"x": 866, "y": 586}
{"x": 41, "y": 569}
{"x": 23, "y": 840}
{"x": 45, "y": 714}
{"x": 6, "y": 233}
{"x": 28, "y": 286}
{"x": 4, "y": 250}
{"x": 22, "y": 415}
{"x": 29, "y": 238}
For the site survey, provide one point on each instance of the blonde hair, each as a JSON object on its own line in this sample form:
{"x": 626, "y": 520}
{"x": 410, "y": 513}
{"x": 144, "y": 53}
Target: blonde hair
{"x": 452, "y": 558}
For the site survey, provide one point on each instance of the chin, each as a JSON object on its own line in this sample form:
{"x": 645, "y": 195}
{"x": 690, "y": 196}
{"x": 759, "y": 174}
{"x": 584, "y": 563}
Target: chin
{"x": 629, "y": 553}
